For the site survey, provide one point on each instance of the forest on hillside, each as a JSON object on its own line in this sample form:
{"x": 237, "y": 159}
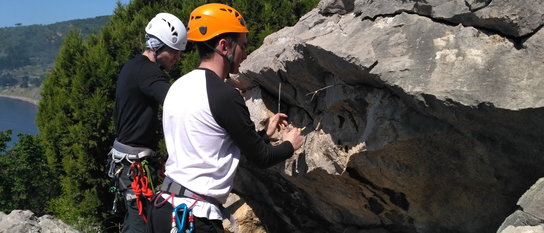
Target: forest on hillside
{"x": 28, "y": 52}
{"x": 66, "y": 161}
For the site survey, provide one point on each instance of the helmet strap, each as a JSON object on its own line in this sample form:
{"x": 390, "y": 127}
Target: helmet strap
{"x": 229, "y": 57}
{"x": 155, "y": 54}
{"x": 155, "y": 45}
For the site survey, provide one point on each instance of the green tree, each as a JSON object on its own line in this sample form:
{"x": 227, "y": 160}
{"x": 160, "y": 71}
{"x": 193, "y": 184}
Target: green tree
{"x": 26, "y": 182}
{"x": 74, "y": 118}
{"x": 5, "y": 137}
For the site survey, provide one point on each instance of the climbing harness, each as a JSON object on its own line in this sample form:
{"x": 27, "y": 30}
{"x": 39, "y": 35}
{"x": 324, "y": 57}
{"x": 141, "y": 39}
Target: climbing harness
{"x": 175, "y": 189}
{"x": 178, "y": 223}
{"x": 132, "y": 161}
{"x": 121, "y": 152}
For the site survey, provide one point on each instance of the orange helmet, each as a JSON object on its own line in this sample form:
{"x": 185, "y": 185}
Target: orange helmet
{"x": 209, "y": 20}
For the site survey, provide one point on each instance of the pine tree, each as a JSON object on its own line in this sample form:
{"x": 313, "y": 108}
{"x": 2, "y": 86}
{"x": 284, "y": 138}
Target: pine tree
{"x": 5, "y": 137}
{"x": 25, "y": 179}
{"x": 69, "y": 137}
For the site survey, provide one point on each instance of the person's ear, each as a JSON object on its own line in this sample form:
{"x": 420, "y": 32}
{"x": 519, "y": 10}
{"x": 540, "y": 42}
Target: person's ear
{"x": 223, "y": 46}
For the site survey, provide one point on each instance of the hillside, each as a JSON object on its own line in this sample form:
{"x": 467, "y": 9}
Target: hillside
{"x": 28, "y": 52}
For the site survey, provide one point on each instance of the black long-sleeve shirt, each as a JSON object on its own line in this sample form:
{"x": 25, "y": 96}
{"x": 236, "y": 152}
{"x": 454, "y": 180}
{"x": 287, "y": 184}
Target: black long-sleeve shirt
{"x": 141, "y": 88}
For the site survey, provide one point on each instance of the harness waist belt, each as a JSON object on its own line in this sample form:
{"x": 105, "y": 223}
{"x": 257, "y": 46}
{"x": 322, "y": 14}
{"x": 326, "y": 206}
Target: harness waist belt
{"x": 171, "y": 186}
{"x": 121, "y": 151}
{"x": 179, "y": 190}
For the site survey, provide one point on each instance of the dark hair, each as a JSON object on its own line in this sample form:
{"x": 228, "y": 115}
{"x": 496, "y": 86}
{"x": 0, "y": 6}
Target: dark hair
{"x": 205, "y": 49}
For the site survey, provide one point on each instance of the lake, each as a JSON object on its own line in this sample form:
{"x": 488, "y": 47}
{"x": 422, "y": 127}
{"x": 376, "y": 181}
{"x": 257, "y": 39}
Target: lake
{"x": 19, "y": 116}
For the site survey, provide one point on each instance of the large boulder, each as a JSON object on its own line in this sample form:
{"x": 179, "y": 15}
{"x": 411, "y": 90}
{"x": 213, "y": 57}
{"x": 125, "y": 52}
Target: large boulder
{"x": 419, "y": 116}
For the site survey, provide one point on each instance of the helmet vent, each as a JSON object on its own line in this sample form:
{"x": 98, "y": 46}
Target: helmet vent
{"x": 203, "y": 30}
{"x": 167, "y": 22}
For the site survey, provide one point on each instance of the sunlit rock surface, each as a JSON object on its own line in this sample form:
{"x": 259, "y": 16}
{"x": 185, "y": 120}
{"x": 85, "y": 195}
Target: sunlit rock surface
{"x": 419, "y": 116}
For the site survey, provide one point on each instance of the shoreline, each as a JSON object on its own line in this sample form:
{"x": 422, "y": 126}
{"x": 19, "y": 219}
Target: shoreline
{"x": 25, "y": 99}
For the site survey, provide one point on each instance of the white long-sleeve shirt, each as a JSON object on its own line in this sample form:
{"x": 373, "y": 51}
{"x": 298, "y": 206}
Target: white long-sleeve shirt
{"x": 206, "y": 127}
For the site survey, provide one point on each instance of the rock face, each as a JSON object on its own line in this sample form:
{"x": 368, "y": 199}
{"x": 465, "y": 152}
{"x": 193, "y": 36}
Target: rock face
{"x": 24, "y": 221}
{"x": 530, "y": 215}
{"x": 420, "y": 116}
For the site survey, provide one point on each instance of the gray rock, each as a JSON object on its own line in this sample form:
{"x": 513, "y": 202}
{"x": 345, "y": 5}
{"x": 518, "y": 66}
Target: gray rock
{"x": 24, "y": 221}
{"x": 532, "y": 201}
{"x": 335, "y": 6}
{"x": 518, "y": 220}
{"x": 506, "y": 17}
{"x": 530, "y": 216}
{"x": 414, "y": 123}
{"x": 524, "y": 229}
{"x": 509, "y": 17}
{"x": 477, "y": 4}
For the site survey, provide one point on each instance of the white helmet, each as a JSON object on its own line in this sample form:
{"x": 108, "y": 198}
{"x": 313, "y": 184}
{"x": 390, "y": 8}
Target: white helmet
{"x": 169, "y": 29}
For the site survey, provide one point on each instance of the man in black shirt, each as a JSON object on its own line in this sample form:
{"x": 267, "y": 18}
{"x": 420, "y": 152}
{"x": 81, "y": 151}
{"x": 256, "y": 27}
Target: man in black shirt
{"x": 141, "y": 88}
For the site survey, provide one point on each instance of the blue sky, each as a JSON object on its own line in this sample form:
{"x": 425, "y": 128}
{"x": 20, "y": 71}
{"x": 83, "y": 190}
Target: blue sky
{"x": 29, "y": 12}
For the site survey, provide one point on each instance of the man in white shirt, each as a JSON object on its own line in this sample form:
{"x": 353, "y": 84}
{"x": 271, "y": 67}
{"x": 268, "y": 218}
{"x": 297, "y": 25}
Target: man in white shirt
{"x": 207, "y": 126}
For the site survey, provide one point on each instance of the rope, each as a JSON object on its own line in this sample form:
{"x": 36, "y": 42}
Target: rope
{"x": 165, "y": 200}
{"x": 145, "y": 165}
{"x": 140, "y": 186}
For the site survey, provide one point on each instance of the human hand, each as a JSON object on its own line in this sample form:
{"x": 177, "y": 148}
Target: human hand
{"x": 294, "y": 137}
{"x": 275, "y": 123}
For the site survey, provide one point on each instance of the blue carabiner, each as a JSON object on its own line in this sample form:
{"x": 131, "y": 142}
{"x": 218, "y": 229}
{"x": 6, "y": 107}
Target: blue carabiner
{"x": 181, "y": 224}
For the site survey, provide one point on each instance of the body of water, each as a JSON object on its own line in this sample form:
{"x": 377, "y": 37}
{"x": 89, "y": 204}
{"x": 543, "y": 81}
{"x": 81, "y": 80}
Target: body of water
{"x": 19, "y": 116}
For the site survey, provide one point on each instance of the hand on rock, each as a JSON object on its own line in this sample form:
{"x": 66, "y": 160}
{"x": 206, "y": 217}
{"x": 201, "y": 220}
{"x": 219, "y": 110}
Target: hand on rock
{"x": 294, "y": 137}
